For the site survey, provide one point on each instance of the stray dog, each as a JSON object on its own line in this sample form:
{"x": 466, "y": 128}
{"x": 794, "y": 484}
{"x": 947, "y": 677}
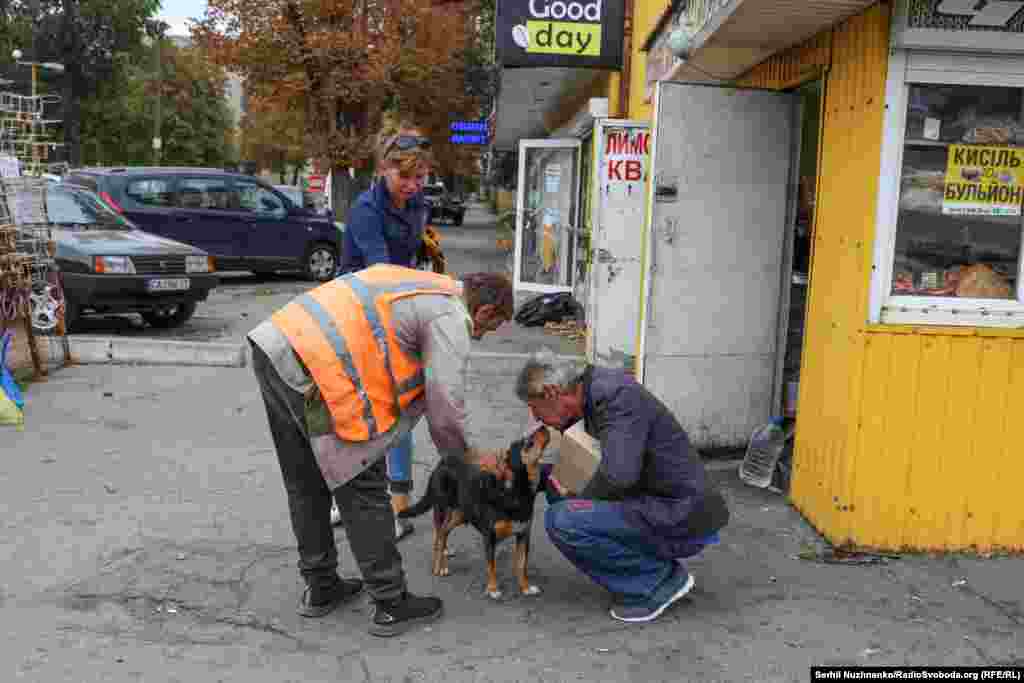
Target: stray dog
{"x": 499, "y": 504}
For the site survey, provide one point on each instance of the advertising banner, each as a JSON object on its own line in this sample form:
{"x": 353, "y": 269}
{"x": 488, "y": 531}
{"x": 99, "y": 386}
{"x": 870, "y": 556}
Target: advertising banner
{"x": 560, "y": 33}
{"x": 972, "y": 25}
{"x": 984, "y": 181}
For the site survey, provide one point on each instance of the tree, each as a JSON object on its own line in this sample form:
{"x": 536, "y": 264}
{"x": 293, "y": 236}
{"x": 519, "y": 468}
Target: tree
{"x": 343, "y": 63}
{"x": 196, "y": 124}
{"x": 85, "y": 36}
{"x": 273, "y": 137}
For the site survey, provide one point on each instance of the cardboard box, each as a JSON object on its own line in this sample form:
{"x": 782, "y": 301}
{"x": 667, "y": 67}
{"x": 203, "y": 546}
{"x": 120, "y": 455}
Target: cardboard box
{"x": 579, "y": 455}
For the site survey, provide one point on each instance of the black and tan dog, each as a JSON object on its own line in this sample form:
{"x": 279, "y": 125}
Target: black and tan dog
{"x": 497, "y": 501}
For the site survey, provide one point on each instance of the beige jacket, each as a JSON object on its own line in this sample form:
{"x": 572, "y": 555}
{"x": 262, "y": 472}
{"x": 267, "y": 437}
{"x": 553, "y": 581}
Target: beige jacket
{"x": 433, "y": 328}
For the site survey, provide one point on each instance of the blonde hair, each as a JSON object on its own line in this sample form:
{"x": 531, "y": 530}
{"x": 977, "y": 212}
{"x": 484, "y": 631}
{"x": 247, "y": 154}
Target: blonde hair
{"x": 407, "y": 161}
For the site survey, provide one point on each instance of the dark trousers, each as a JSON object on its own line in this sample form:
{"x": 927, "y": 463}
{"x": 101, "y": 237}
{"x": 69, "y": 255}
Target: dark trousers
{"x": 364, "y": 502}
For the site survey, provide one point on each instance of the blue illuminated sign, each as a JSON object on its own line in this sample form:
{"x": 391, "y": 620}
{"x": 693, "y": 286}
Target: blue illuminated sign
{"x": 472, "y": 139}
{"x": 469, "y": 127}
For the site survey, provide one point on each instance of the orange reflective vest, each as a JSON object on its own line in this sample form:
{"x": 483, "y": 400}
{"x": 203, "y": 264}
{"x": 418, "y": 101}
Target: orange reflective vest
{"x": 343, "y": 332}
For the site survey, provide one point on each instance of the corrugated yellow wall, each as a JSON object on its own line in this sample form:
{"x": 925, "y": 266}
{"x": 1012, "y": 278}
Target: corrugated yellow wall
{"x": 790, "y": 68}
{"x": 645, "y": 16}
{"x": 909, "y": 438}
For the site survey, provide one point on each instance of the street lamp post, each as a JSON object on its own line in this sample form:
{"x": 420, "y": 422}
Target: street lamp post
{"x": 158, "y": 142}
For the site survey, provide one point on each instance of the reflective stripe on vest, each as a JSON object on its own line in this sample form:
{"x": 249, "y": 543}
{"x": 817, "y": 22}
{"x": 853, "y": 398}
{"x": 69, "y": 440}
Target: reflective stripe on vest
{"x": 344, "y": 334}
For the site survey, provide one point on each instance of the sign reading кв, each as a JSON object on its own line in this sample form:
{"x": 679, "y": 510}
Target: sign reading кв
{"x": 560, "y": 33}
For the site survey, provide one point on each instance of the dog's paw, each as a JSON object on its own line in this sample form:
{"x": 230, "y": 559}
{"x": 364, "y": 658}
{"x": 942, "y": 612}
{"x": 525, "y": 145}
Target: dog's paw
{"x": 441, "y": 571}
{"x": 532, "y": 590}
{"x": 495, "y": 594}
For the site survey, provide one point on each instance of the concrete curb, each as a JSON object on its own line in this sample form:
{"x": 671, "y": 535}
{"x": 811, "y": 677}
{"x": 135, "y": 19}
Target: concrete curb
{"x": 107, "y": 350}
{"x": 87, "y": 350}
{"x": 494, "y": 363}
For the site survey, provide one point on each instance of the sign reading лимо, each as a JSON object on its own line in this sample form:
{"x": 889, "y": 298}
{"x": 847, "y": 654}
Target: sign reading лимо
{"x": 984, "y": 181}
{"x": 560, "y": 33}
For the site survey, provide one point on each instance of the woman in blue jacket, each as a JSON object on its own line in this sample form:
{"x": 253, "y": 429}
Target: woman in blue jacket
{"x": 385, "y": 225}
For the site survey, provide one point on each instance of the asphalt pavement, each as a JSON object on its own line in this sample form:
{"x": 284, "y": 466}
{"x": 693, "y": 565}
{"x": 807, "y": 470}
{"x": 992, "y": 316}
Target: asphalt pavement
{"x": 146, "y": 538}
{"x": 242, "y": 299}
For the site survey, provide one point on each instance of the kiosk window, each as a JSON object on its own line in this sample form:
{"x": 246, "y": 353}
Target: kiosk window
{"x": 959, "y": 224}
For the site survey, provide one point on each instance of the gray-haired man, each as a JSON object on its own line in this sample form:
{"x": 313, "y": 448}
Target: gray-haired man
{"x": 648, "y": 505}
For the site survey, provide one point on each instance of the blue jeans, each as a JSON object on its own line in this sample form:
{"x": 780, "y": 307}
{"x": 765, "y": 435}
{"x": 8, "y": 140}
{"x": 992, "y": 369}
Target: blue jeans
{"x": 399, "y": 461}
{"x": 597, "y": 538}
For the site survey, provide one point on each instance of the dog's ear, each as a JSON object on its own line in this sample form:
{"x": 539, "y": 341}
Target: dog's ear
{"x": 541, "y": 438}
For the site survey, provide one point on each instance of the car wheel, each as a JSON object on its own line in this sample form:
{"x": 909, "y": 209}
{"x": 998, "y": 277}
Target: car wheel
{"x": 321, "y": 263}
{"x": 170, "y": 316}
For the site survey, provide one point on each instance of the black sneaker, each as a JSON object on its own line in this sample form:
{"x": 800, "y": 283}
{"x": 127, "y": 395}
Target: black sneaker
{"x": 322, "y": 601}
{"x": 394, "y": 617}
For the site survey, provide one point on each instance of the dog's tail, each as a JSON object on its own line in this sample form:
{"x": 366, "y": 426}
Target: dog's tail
{"x": 419, "y": 507}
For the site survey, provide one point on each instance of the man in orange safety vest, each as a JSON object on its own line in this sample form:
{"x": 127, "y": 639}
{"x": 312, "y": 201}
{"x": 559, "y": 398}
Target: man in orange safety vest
{"x": 345, "y": 370}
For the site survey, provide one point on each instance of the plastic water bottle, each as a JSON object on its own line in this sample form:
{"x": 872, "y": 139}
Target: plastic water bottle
{"x": 766, "y": 445}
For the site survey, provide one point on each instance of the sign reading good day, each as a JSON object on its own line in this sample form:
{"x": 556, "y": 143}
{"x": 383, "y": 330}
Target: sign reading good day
{"x": 984, "y": 181}
{"x": 560, "y": 33}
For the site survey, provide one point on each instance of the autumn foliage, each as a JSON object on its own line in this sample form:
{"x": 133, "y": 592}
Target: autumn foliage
{"x": 343, "y": 64}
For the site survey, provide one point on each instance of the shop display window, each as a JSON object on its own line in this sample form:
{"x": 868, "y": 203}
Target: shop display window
{"x": 959, "y": 226}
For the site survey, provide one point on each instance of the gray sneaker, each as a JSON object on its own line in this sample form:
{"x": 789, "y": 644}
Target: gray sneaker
{"x": 645, "y": 612}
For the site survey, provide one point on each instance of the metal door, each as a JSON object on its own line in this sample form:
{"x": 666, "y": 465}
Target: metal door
{"x": 622, "y": 161}
{"x": 719, "y": 209}
{"x": 546, "y": 215}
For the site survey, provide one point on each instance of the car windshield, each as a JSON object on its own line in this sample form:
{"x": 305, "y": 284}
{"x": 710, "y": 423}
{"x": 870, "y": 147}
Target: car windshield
{"x": 292, "y": 193}
{"x": 81, "y": 209}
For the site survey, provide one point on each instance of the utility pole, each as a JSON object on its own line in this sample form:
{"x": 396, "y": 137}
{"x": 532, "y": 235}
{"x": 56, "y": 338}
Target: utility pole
{"x": 158, "y": 143}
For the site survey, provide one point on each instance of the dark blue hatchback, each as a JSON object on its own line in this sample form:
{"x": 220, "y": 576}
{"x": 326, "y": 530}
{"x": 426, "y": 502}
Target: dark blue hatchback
{"x": 243, "y": 222}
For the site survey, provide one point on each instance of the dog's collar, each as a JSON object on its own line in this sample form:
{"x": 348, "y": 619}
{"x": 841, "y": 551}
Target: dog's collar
{"x": 515, "y": 455}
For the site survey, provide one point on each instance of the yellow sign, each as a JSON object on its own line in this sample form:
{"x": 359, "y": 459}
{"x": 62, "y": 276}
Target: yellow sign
{"x": 984, "y": 181}
{"x": 564, "y": 38}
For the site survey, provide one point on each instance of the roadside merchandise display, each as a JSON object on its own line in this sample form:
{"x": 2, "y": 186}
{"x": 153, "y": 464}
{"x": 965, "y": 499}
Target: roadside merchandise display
{"x": 11, "y": 401}
{"x": 31, "y": 300}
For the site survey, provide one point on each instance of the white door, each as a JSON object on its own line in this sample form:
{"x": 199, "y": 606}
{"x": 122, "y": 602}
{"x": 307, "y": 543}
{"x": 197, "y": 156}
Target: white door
{"x": 719, "y": 211}
{"x": 622, "y": 160}
{"x": 546, "y": 216}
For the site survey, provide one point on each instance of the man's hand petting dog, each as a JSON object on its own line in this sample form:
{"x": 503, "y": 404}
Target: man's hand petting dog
{"x": 493, "y": 492}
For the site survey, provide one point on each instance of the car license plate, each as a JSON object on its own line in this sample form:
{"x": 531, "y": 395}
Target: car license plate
{"x": 174, "y": 284}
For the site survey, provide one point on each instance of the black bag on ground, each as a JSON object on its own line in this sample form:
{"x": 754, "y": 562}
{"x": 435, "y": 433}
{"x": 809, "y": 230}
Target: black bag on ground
{"x": 547, "y": 308}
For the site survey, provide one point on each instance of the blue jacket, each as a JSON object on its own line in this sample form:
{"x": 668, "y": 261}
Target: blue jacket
{"x": 647, "y": 463}
{"x": 377, "y": 232}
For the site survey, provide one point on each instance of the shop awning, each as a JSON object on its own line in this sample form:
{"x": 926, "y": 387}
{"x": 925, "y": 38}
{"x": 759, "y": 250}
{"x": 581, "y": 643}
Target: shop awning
{"x": 528, "y": 98}
{"x": 730, "y": 37}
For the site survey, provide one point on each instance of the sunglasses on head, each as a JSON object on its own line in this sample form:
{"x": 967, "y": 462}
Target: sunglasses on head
{"x": 406, "y": 142}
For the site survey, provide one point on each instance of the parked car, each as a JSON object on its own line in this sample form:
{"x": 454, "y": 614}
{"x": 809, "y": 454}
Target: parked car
{"x": 108, "y": 265}
{"x": 444, "y": 205}
{"x": 243, "y": 222}
{"x": 296, "y": 195}
{"x": 315, "y": 202}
